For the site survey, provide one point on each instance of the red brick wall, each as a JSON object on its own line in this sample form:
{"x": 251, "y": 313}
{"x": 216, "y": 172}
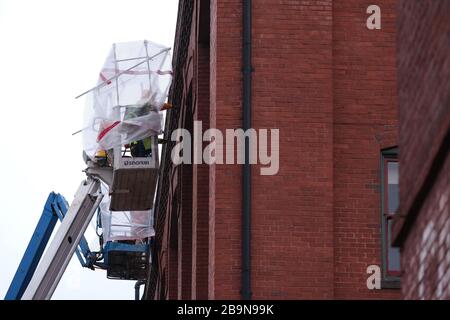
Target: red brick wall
{"x": 185, "y": 236}
{"x": 426, "y": 252}
{"x": 200, "y": 223}
{"x": 172, "y": 256}
{"x": 212, "y": 168}
{"x": 332, "y": 94}
{"x": 424, "y": 89}
{"x": 328, "y": 84}
{"x": 225, "y": 112}
{"x": 365, "y": 121}
{"x": 424, "y": 112}
{"x": 292, "y": 212}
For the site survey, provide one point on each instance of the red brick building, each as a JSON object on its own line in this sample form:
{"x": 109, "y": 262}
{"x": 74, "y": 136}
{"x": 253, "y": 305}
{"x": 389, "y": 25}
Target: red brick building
{"x": 328, "y": 83}
{"x": 423, "y": 230}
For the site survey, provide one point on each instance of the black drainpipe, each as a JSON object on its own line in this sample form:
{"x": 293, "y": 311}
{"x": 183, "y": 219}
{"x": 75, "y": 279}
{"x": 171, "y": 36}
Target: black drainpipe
{"x": 246, "y": 124}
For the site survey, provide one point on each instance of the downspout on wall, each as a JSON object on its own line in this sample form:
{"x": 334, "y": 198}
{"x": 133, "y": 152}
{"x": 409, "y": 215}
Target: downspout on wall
{"x": 246, "y": 292}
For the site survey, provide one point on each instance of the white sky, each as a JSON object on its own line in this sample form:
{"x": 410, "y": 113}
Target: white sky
{"x": 51, "y": 51}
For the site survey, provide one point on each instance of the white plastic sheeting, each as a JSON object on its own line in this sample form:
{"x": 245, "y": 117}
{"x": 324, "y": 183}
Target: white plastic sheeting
{"x": 131, "y": 89}
{"x": 125, "y": 107}
{"x": 124, "y": 225}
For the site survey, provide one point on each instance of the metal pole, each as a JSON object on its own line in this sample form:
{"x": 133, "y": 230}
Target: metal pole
{"x": 120, "y": 73}
{"x": 116, "y": 65}
{"x": 148, "y": 68}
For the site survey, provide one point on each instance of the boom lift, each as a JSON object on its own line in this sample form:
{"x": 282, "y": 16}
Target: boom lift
{"x": 121, "y": 153}
{"x": 33, "y": 281}
{"x": 121, "y": 260}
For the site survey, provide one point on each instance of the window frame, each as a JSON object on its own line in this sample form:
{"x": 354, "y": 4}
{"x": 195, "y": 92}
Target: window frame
{"x": 389, "y": 280}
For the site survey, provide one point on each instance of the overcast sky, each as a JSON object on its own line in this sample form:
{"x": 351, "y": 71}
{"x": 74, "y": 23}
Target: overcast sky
{"x": 51, "y": 51}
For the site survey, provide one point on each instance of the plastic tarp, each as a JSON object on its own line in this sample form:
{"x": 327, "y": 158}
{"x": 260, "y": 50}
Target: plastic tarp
{"x": 124, "y": 225}
{"x": 131, "y": 89}
{"x": 125, "y": 107}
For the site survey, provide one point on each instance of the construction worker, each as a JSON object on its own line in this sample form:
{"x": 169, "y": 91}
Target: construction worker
{"x": 141, "y": 148}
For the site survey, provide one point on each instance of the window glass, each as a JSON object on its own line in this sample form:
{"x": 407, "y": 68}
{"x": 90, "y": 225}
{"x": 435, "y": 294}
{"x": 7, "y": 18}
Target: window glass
{"x": 393, "y": 254}
{"x": 392, "y": 186}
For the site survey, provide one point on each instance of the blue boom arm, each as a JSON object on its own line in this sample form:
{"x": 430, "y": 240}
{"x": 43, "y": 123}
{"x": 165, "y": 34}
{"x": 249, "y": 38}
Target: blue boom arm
{"x": 55, "y": 208}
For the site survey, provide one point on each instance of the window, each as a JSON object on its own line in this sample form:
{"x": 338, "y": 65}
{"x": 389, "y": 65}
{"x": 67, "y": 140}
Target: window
{"x": 389, "y": 205}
